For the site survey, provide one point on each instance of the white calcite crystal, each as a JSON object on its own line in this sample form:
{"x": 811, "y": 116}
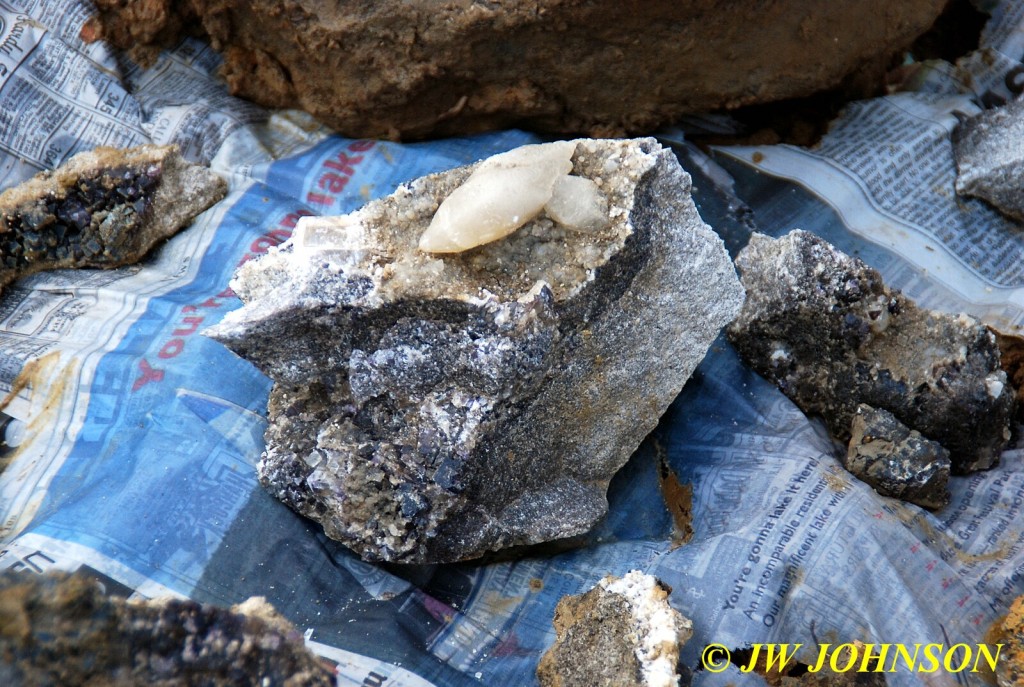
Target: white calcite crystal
{"x": 622, "y": 632}
{"x": 432, "y": 407}
{"x": 506, "y": 191}
{"x": 577, "y": 203}
{"x": 660, "y": 629}
{"x": 337, "y": 238}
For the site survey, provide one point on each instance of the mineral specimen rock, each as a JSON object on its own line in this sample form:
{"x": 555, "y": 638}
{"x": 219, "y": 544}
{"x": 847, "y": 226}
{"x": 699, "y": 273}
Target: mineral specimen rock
{"x": 103, "y": 208}
{"x": 431, "y": 408}
{"x": 622, "y": 633}
{"x": 420, "y": 68}
{"x": 823, "y": 326}
{"x": 57, "y": 629}
{"x": 897, "y": 461}
{"x": 1011, "y": 357}
{"x": 990, "y": 159}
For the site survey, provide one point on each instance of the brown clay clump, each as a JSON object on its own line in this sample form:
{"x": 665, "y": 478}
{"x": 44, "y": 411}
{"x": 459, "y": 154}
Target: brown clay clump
{"x": 422, "y": 68}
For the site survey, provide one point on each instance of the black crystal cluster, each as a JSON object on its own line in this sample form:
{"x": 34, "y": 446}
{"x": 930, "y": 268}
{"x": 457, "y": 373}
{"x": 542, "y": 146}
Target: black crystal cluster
{"x": 84, "y": 223}
{"x": 61, "y": 629}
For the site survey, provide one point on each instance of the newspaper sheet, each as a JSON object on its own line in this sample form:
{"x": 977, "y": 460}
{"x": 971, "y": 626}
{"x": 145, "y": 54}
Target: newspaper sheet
{"x": 140, "y": 436}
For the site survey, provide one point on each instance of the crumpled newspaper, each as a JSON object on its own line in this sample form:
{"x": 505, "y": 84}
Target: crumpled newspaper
{"x": 131, "y": 440}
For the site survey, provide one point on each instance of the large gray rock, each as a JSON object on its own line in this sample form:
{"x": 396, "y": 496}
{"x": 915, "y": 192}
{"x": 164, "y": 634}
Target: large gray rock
{"x": 823, "y": 326}
{"x": 434, "y": 407}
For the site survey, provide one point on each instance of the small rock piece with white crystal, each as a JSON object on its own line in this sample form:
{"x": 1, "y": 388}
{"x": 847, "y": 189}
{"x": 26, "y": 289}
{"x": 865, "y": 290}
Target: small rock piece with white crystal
{"x": 622, "y": 633}
{"x": 463, "y": 366}
{"x": 65, "y": 629}
{"x": 825, "y": 328}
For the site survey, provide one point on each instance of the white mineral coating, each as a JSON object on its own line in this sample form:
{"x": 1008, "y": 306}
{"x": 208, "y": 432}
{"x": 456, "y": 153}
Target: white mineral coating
{"x": 343, "y": 235}
{"x": 660, "y": 629}
{"x": 577, "y": 203}
{"x": 623, "y": 632}
{"x": 434, "y": 407}
{"x": 503, "y": 193}
{"x": 989, "y": 151}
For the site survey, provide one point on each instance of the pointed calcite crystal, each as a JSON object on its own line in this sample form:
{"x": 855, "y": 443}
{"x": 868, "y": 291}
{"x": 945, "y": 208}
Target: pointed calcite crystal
{"x": 432, "y": 404}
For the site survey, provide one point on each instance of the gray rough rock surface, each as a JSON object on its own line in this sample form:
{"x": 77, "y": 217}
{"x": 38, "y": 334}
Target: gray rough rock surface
{"x": 896, "y": 460}
{"x": 432, "y": 409}
{"x": 103, "y": 208}
{"x": 825, "y": 328}
{"x": 59, "y": 629}
{"x": 989, "y": 150}
{"x": 621, "y": 633}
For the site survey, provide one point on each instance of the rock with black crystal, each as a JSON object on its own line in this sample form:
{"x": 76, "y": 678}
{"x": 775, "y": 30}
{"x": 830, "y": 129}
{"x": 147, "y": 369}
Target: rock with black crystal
{"x": 621, "y": 633}
{"x": 103, "y": 208}
{"x": 990, "y": 158}
{"x": 825, "y": 328}
{"x": 60, "y": 629}
{"x": 897, "y": 461}
{"x": 432, "y": 407}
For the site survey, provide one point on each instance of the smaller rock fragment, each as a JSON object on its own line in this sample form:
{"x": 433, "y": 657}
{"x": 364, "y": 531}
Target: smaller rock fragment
{"x": 897, "y": 461}
{"x": 824, "y": 327}
{"x": 60, "y": 629}
{"x": 990, "y": 159}
{"x": 622, "y": 633}
{"x": 103, "y": 208}
{"x": 1010, "y": 633}
{"x": 1011, "y": 359}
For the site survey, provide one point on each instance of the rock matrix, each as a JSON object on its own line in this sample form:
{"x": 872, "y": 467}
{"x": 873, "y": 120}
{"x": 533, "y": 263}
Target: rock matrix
{"x": 434, "y": 406}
